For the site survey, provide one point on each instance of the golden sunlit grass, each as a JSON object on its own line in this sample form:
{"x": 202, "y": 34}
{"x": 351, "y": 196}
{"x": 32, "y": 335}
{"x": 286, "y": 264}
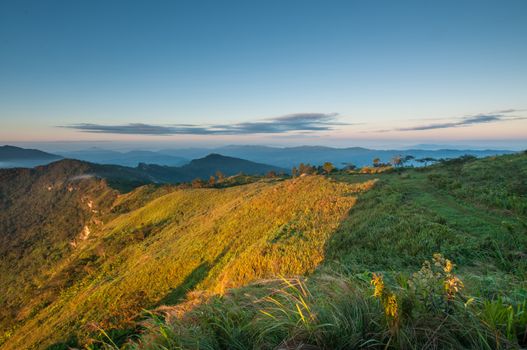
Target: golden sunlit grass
{"x": 187, "y": 239}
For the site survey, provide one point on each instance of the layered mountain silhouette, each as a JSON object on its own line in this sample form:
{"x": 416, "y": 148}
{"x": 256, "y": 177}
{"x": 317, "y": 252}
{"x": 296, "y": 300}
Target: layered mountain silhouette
{"x": 286, "y": 157}
{"x": 125, "y": 178}
{"x": 205, "y": 167}
{"x": 130, "y": 158}
{"x": 11, "y": 156}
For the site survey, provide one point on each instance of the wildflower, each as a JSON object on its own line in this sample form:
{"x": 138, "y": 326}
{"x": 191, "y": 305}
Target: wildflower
{"x": 448, "y": 266}
{"x": 378, "y": 282}
{"x": 452, "y": 286}
{"x": 390, "y": 306}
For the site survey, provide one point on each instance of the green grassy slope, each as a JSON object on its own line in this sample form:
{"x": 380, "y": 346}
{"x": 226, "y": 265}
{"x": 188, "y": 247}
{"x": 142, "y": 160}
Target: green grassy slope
{"x": 471, "y": 211}
{"x": 474, "y": 212}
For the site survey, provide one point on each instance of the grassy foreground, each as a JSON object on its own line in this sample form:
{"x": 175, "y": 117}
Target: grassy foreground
{"x": 424, "y": 310}
{"x": 382, "y": 283}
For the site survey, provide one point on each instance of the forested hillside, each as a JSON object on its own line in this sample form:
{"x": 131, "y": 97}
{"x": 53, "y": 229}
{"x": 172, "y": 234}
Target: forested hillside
{"x": 312, "y": 262}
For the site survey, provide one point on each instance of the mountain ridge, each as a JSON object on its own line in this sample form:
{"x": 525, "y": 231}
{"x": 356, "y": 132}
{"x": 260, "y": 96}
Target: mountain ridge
{"x": 125, "y": 178}
{"x": 282, "y": 157}
{"x": 12, "y": 156}
{"x": 287, "y": 157}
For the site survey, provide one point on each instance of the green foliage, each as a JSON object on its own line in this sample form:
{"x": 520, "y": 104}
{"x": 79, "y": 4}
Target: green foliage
{"x": 407, "y": 218}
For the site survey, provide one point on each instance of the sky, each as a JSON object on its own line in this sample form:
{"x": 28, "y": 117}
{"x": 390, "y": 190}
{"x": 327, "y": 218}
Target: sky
{"x": 274, "y": 72}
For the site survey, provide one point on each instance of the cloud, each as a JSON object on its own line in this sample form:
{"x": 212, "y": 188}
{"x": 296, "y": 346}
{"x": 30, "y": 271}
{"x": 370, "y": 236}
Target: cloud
{"x": 483, "y": 118}
{"x": 479, "y": 119}
{"x": 81, "y": 177}
{"x": 299, "y": 122}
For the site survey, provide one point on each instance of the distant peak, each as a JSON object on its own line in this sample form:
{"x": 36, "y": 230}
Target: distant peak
{"x": 214, "y": 155}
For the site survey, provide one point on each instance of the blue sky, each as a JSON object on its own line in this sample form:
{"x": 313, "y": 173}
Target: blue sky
{"x": 270, "y": 72}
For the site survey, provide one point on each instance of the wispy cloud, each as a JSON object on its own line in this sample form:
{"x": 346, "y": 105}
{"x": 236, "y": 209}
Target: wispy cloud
{"x": 477, "y": 119}
{"x": 299, "y": 122}
{"x": 482, "y": 118}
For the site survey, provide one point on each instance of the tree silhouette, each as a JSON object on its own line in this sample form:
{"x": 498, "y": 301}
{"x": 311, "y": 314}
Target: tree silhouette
{"x": 349, "y": 166}
{"x": 328, "y": 167}
{"x": 198, "y": 183}
{"x": 408, "y": 158}
{"x": 426, "y": 160}
{"x": 397, "y": 161}
{"x": 306, "y": 169}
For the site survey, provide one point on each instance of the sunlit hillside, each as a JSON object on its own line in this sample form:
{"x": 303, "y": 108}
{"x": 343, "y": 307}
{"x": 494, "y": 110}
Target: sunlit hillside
{"x": 151, "y": 246}
{"x": 429, "y": 258}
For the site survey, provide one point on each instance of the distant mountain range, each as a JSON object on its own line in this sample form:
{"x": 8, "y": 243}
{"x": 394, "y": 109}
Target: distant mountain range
{"x": 205, "y": 167}
{"x": 278, "y": 157}
{"x": 281, "y": 157}
{"x": 201, "y": 168}
{"x": 131, "y": 158}
{"x": 11, "y": 156}
{"x": 126, "y": 178}
{"x": 316, "y": 155}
